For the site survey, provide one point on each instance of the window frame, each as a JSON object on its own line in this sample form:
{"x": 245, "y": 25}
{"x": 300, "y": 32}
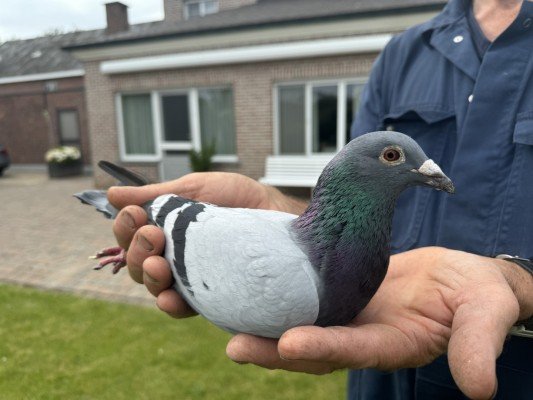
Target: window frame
{"x": 308, "y": 112}
{"x": 124, "y": 156}
{"x": 160, "y": 144}
{"x": 201, "y": 7}
{"x": 69, "y": 142}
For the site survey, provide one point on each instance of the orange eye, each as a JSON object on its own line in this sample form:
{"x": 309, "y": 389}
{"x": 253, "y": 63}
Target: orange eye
{"x": 391, "y": 155}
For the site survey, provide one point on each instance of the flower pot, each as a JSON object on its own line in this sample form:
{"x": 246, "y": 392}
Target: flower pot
{"x": 65, "y": 169}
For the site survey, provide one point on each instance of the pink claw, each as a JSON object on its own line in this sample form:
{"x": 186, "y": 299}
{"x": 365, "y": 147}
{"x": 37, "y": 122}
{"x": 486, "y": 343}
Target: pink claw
{"x": 115, "y": 256}
{"x": 109, "y": 251}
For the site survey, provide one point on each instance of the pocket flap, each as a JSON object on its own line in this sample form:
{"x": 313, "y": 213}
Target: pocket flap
{"x": 429, "y": 114}
{"x": 523, "y": 132}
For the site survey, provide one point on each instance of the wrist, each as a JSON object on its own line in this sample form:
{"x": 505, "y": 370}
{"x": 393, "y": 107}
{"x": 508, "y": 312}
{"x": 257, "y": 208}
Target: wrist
{"x": 283, "y": 202}
{"x": 521, "y": 282}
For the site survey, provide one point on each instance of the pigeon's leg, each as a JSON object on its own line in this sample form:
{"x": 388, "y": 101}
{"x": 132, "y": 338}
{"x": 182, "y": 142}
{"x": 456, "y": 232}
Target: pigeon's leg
{"x": 115, "y": 256}
{"x": 108, "y": 251}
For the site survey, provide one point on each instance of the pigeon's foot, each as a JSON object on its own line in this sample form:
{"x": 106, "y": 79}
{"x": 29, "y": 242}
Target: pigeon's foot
{"x": 115, "y": 256}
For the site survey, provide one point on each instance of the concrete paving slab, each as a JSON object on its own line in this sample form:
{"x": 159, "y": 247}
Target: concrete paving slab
{"x": 46, "y": 236}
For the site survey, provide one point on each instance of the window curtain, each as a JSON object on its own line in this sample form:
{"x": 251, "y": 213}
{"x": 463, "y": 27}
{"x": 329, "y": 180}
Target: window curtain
{"x": 291, "y": 119}
{"x": 138, "y": 127}
{"x": 217, "y": 120}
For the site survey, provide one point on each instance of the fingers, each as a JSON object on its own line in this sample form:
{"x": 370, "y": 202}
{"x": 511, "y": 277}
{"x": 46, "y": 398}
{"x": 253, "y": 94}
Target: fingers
{"x": 171, "y": 302}
{"x": 156, "y": 274}
{"x": 122, "y": 196}
{"x": 147, "y": 241}
{"x": 263, "y": 352}
{"x": 478, "y": 333}
{"x": 126, "y": 224}
{"x": 367, "y": 346}
{"x": 318, "y": 350}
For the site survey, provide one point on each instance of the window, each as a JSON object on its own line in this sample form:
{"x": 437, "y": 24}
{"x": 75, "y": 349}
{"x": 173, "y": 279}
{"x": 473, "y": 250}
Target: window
{"x": 217, "y": 122}
{"x": 291, "y": 119}
{"x": 137, "y": 124}
{"x": 315, "y": 117}
{"x": 69, "y": 128}
{"x": 325, "y": 119}
{"x": 178, "y": 120}
{"x": 199, "y": 8}
{"x": 176, "y": 123}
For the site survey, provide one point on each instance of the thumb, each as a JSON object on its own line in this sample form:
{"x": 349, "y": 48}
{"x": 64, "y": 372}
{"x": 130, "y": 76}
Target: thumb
{"x": 479, "y": 330}
{"x": 366, "y": 346}
{"x": 122, "y": 196}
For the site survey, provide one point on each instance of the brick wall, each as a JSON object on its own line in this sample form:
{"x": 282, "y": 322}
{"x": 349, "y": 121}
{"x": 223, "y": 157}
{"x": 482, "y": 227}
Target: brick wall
{"x": 28, "y": 118}
{"x": 252, "y": 88}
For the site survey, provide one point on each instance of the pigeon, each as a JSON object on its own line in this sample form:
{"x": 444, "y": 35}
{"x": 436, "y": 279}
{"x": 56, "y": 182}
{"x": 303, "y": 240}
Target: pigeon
{"x": 263, "y": 272}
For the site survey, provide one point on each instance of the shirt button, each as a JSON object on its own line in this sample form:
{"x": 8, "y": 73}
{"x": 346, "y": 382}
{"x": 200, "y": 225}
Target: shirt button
{"x": 527, "y": 23}
{"x": 458, "y": 39}
{"x": 470, "y": 98}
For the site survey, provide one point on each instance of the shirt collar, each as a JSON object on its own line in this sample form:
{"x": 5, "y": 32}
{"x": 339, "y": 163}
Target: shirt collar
{"x": 450, "y": 35}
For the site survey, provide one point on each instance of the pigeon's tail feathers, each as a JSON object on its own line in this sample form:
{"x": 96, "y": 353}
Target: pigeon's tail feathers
{"x": 98, "y": 199}
{"x": 124, "y": 175}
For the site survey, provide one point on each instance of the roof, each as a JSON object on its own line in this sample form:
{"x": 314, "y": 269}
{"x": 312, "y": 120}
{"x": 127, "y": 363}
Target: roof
{"x": 46, "y": 54}
{"x": 264, "y": 12}
{"x": 41, "y": 55}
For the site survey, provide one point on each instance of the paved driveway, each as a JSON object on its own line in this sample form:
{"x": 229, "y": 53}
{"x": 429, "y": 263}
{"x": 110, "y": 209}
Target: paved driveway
{"x": 46, "y": 236}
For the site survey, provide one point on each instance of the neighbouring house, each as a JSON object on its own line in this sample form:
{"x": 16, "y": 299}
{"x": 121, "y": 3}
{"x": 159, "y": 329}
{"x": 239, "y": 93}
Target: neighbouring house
{"x": 42, "y": 98}
{"x": 266, "y": 80}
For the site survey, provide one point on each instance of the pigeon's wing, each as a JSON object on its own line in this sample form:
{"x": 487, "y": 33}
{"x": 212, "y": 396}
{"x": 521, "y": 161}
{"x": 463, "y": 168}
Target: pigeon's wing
{"x": 239, "y": 268}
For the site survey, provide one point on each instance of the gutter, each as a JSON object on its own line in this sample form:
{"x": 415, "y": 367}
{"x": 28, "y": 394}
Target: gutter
{"x": 247, "y": 54}
{"x": 42, "y": 77}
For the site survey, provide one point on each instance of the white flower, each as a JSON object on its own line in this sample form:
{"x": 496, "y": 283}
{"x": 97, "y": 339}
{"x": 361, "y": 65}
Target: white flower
{"x": 62, "y": 154}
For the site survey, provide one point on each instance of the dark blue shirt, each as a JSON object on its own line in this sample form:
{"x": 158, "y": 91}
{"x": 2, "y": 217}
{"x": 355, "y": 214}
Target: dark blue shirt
{"x": 474, "y": 117}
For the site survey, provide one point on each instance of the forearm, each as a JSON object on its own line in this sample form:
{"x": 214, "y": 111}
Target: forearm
{"x": 521, "y": 282}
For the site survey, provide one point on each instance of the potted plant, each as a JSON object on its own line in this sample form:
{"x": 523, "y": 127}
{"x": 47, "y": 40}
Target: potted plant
{"x": 201, "y": 161}
{"x": 63, "y": 161}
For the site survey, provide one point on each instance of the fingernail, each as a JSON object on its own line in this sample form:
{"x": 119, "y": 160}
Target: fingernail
{"x": 144, "y": 243}
{"x": 152, "y": 280}
{"x": 127, "y": 220}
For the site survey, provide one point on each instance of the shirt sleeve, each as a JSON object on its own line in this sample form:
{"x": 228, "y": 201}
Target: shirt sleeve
{"x": 368, "y": 117}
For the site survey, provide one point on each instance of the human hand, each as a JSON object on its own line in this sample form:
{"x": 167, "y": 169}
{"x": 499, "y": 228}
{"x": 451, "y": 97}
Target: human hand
{"x": 145, "y": 243}
{"x": 432, "y": 301}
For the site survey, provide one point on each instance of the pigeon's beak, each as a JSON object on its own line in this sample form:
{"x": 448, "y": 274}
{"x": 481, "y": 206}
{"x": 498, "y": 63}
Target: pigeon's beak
{"x": 433, "y": 176}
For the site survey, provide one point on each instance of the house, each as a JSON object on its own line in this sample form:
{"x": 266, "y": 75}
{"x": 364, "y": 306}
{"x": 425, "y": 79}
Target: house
{"x": 42, "y": 98}
{"x": 262, "y": 79}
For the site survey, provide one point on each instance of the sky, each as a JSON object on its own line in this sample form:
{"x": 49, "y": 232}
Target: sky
{"x": 21, "y": 19}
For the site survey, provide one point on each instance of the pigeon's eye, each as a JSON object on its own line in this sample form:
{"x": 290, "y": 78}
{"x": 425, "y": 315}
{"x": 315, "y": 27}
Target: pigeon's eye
{"x": 392, "y": 156}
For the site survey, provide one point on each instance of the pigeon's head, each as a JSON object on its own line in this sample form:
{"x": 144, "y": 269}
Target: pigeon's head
{"x": 393, "y": 161}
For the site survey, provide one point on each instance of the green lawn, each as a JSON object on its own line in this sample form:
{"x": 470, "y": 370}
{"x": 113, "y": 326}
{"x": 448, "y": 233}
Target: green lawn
{"x": 58, "y": 346}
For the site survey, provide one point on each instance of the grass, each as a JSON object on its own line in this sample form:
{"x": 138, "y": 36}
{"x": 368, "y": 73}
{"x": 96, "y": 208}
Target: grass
{"x": 59, "y": 346}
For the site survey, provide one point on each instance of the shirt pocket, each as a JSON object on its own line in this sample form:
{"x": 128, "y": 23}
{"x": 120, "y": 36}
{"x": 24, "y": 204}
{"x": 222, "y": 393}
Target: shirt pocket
{"x": 516, "y": 226}
{"x": 432, "y": 128}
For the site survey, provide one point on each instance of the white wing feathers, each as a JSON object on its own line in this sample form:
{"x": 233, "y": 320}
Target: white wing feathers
{"x": 244, "y": 271}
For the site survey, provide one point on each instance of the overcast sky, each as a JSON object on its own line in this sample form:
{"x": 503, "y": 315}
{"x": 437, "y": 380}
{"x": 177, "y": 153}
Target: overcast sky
{"x": 23, "y": 19}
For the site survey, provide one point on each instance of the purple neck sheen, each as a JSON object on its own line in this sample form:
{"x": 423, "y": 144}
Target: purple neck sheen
{"x": 345, "y": 232}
